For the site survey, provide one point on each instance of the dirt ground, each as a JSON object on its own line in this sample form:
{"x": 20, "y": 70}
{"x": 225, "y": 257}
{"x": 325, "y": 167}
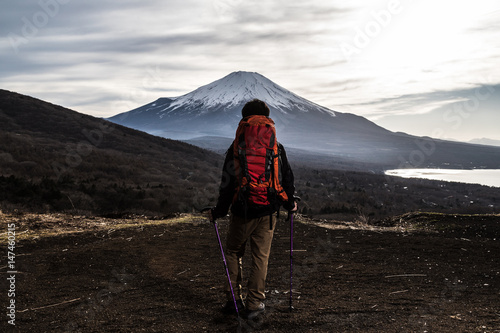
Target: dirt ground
{"x": 413, "y": 273}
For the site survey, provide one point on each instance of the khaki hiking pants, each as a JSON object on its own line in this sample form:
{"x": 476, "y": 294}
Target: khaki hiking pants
{"x": 259, "y": 232}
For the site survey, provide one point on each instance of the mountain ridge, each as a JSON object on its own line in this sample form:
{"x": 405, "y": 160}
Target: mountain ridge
{"x": 485, "y": 141}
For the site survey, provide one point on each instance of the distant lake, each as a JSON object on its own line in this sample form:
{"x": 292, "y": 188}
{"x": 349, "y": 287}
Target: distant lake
{"x": 489, "y": 177}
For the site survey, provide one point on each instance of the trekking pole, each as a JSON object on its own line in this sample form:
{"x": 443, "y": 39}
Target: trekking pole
{"x": 291, "y": 260}
{"x": 225, "y": 263}
{"x": 291, "y": 256}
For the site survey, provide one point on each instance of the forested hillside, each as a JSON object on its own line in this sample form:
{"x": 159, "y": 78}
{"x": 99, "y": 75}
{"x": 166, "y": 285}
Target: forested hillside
{"x": 55, "y": 159}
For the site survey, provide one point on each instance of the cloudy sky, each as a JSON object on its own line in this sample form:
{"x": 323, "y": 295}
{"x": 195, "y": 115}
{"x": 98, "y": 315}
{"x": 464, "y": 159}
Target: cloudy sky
{"x": 422, "y": 67}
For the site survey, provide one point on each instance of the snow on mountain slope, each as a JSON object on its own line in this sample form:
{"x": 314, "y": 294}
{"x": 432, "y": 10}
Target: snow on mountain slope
{"x": 240, "y": 87}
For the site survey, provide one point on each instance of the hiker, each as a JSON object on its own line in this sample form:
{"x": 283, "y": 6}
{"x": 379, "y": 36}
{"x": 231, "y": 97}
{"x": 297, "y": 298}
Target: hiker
{"x": 254, "y": 207}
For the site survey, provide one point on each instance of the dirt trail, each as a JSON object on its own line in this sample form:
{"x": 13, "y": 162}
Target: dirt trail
{"x": 166, "y": 276}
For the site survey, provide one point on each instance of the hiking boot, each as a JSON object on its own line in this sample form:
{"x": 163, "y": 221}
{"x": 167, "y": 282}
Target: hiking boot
{"x": 229, "y": 307}
{"x": 252, "y": 314}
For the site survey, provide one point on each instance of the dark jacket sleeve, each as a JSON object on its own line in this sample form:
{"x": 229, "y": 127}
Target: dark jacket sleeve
{"x": 227, "y": 186}
{"x": 288, "y": 180}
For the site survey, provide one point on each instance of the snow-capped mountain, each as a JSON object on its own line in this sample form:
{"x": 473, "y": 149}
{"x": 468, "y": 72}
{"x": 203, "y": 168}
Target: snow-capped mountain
{"x": 208, "y": 117}
{"x": 240, "y": 87}
{"x": 215, "y": 110}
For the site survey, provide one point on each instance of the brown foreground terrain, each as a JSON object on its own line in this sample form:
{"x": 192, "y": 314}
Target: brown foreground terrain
{"x": 414, "y": 273}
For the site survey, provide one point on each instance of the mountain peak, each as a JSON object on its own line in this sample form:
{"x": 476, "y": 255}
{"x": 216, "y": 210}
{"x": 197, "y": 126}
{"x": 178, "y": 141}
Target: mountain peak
{"x": 240, "y": 87}
{"x": 245, "y": 75}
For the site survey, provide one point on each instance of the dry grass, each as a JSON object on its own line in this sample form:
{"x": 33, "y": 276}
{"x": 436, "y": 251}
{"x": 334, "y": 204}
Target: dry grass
{"x": 34, "y": 226}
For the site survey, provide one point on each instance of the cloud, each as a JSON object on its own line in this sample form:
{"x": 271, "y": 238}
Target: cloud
{"x": 407, "y": 103}
{"x": 280, "y": 11}
{"x": 462, "y": 114}
{"x": 105, "y": 57}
